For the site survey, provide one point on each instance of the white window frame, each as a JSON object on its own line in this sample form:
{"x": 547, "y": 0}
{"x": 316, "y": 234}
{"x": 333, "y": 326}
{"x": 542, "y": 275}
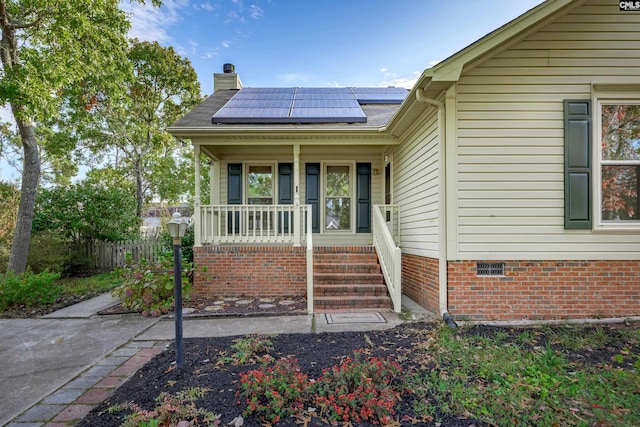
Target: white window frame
{"x": 352, "y": 193}
{"x": 604, "y": 98}
{"x": 274, "y": 177}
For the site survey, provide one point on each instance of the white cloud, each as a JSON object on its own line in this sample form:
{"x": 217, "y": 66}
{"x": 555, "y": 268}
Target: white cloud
{"x": 208, "y": 7}
{"x": 255, "y": 11}
{"x": 210, "y": 54}
{"x": 435, "y": 62}
{"x": 225, "y": 43}
{"x": 150, "y": 23}
{"x": 233, "y": 16}
{"x": 405, "y": 82}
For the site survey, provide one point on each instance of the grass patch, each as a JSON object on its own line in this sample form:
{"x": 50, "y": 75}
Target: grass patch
{"x": 32, "y": 295}
{"x": 91, "y": 285}
{"x": 529, "y": 378}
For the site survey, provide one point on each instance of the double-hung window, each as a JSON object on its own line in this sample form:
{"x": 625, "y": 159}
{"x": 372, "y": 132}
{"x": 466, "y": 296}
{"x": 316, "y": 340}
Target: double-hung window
{"x": 618, "y": 174}
{"x": 260, "y": 192}
{"x": 338, "y": 198}
{"x": 260, "y": 185}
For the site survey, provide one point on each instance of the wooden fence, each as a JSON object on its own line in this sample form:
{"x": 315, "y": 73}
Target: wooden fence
{"x": 102, "y": 256}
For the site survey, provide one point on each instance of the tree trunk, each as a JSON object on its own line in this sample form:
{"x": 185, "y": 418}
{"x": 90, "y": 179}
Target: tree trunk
{"x": 30, "y": 180}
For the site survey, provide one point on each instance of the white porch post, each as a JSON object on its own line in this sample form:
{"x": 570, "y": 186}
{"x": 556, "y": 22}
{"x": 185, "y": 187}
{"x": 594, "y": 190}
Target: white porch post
{"x": 214, "y": 177}
{"x": 197, "y": 227}
{"x": 296, "y": 195}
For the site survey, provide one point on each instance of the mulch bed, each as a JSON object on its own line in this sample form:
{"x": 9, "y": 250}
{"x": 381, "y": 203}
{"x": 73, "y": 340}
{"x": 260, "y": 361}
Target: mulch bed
{"x": 205, "y": 366}
{"x": 200, "y": 306}
{"x": 314, "y": 352}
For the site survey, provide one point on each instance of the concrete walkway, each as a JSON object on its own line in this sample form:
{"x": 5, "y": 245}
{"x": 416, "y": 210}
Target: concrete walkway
{"x": 58, "y": 367}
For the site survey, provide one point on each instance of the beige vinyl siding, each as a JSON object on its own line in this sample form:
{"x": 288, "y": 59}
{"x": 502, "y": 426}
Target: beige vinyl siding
{"x": 510, "y": 137}
{"x": 322, "y": 155}
{"x": 415, "y": 187}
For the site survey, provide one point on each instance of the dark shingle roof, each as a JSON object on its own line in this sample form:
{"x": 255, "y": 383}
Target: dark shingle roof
{"x": 199, "y": 118}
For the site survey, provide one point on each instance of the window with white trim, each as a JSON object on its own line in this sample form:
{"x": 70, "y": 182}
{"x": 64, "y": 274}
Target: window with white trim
{"x": 618, "y": 172}
{"x": 337, "y": 198}
{"x": 260, "y": 191}
{"x": 260, "y": 185}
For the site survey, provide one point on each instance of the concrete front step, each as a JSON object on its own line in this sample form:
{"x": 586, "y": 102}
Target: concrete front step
{"x": 349, "y": 303}
{"x": 350, "y": 290}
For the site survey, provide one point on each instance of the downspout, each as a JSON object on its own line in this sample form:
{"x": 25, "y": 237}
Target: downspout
{"x": 442, "y": 199}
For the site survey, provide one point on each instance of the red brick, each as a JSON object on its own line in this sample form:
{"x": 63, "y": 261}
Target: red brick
{"x": 546, "y": 290}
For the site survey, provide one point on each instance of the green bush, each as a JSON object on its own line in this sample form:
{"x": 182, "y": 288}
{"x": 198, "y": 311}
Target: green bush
{"x": 87, "y": 211}
{"x": 48, "y": 251}
{"x": 148, "y": 288}
{"x": 187, "y": 243}
{"x": 28, "y": 289}
{"x": 4, "y": 258}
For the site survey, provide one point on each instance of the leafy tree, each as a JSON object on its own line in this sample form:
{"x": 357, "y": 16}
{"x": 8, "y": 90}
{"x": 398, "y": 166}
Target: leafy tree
{"x": 58, "y": 156}
{"x": 162, "y": 88}
{"x": 50, "y": 48}
{"x": 87, "y": 211}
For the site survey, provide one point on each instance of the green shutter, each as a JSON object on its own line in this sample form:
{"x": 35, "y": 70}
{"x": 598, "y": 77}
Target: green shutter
{"x": 363, "y": 198}
{"x": 234, "y": 194}
{"x": 285, "y": 184}
{"x": 234, "y": 184}
{"x": 577, "y": 164}
{"x": 312, "y": 194}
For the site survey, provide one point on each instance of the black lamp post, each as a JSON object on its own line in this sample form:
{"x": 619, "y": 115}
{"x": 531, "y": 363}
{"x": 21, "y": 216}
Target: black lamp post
{"x": 177, "y": 227}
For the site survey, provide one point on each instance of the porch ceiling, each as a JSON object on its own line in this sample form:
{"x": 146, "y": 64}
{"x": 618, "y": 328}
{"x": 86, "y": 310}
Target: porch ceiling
{"x": 282, "y": 150}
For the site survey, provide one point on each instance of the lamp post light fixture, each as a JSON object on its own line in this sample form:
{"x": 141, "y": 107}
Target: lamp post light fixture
{"x": 177, "y": 227}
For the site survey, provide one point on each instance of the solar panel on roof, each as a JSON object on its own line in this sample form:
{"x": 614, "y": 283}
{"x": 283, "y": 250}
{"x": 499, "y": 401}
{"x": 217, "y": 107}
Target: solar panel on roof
{"x": 392, "y": 95}
{"x": 325, "y": 103}
{"x": 304, "y": 105}
{"x": 348, "y": 114}
{"x": 254, "y": 112}
{"x": 266, "y": 90}
{"x": 259, "y": 103}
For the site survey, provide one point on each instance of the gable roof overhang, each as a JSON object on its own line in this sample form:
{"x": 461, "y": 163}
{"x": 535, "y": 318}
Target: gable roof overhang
{"x": 198, "y": 126}
{"x": 435, "y": 80}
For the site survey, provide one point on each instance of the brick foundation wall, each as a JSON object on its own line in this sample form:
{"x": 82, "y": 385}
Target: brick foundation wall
{"x": 537, "y": 290}
{"x": 420, "y": 281}
{"x": 250, "y": 270}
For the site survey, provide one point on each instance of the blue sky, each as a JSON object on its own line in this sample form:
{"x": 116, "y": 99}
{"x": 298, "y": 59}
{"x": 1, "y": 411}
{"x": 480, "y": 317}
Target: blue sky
{"x": 316, "y": 43}
{"x": 319, "y": 43}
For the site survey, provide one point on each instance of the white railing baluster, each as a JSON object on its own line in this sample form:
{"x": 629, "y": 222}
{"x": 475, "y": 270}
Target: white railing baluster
{"x": 389, "y": 254}
{"x": 253, "y": 224}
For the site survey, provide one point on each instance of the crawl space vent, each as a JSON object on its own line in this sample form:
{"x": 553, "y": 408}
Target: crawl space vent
{"x": 490, "y": 269}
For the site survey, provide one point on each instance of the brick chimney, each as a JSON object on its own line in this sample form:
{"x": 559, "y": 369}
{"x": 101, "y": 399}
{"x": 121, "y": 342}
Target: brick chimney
{"x": 228, "y": 79}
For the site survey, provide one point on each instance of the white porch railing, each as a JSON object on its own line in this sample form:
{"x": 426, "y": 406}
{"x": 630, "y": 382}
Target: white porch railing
{"x": 309, "y": 262}
{"x": 220, "y": 224}
{"x": 271, "y": 224}
{"x": 386, "y": 236}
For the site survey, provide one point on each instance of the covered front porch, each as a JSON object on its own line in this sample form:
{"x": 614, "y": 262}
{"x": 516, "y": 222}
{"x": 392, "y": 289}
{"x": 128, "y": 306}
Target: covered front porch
{"x": 269, "y": 250}
{"x": 272, "y": 211}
